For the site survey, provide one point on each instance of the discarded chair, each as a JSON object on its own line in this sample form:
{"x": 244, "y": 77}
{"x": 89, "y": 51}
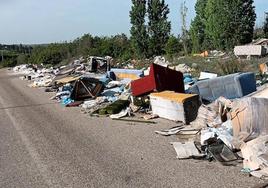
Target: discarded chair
{"x": 86, "y": 88}
{"x": 160, "y": 79}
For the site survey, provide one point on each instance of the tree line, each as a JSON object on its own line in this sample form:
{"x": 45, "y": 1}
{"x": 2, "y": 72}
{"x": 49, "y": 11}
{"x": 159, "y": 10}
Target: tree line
{"x": 217, "y": 25}
{"x": 222, "y": 24}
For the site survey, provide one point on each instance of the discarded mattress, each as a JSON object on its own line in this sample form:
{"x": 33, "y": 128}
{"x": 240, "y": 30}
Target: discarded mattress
{"x": 160, "y": 79}
{"x": 175, "y": 106}
{"x": 128, "y": 73}
{"x": 230, "y": 86}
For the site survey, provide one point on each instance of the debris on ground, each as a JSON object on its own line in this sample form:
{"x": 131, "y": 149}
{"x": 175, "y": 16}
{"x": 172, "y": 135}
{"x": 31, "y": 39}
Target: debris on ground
{"x": 218, "y": 118}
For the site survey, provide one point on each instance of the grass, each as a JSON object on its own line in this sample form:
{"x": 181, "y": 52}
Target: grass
{"x": 220, "y": 66}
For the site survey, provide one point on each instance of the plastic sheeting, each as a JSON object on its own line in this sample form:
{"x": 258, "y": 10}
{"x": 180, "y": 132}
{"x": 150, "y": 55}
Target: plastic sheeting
{"x": 255, "y": 154}
{"x": 249, "y": 118}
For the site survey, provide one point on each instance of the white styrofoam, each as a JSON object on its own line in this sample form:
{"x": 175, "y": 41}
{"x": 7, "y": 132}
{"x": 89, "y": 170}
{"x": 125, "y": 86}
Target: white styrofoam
{"x": 249, "y": 50}
{"x": 167, "y": 109}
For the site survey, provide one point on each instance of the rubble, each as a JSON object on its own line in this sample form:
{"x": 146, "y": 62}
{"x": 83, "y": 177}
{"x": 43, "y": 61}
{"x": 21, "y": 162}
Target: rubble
{"x": 182, "y": 68}
{"x": 186, "y": 150}
{"x": 161, "y": 61}
{"x": 216, "y": 116}
{"x": 255, "y": 156}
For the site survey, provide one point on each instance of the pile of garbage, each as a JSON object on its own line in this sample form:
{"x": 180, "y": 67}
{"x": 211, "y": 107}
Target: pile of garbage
{"x": 219, "y": 118}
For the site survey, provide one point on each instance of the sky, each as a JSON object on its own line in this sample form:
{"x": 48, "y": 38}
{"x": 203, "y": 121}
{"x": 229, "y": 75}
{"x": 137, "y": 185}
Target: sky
{"x": 46, "y": 21}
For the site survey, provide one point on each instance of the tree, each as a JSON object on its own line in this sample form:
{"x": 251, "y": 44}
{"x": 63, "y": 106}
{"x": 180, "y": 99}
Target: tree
{"x": 247, "y": 18}
{"x": 216, "y": 15}
{"x": 139, "y": 36}
{"x": 184, "y": 31}
{"x": 197, "y": 29}
{"x": 85, "y": 44}
{"x": 229, "y": 22}
{"x": 265, "y": 27}
{"x": 22, "y": 59}
{"x": 158, "y": 26}
{"x": 173, "y": 46}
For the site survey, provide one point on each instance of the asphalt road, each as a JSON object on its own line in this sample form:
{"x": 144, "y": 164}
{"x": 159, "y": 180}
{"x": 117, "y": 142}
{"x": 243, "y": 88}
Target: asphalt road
{"x": 43, "y": 144}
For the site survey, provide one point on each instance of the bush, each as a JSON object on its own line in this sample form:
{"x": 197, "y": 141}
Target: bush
{"x": 230, "y": 66}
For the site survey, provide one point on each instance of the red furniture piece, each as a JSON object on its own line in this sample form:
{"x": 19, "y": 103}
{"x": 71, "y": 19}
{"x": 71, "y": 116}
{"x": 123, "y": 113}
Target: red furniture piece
{"x": 160, "y": 79}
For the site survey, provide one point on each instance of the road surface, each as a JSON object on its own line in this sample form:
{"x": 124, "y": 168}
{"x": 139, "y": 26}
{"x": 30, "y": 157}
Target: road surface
{"x": 43, "y": 144}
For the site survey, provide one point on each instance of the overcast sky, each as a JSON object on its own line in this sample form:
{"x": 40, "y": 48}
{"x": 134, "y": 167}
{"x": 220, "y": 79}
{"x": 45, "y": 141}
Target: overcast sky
{"x": 45, "y": 21}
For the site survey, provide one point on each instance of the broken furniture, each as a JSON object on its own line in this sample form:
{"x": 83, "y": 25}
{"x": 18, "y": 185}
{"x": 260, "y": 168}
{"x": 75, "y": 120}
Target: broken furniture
{"x": 86, "y": 87}
{"x": 160, "y": 79}
{"x": 65, "y": 80}
{"x": 175, "y": 106}
{"x": 231, "y": 86}
{"x": 100, "y": 64}
{"x": 222, "y": 153}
